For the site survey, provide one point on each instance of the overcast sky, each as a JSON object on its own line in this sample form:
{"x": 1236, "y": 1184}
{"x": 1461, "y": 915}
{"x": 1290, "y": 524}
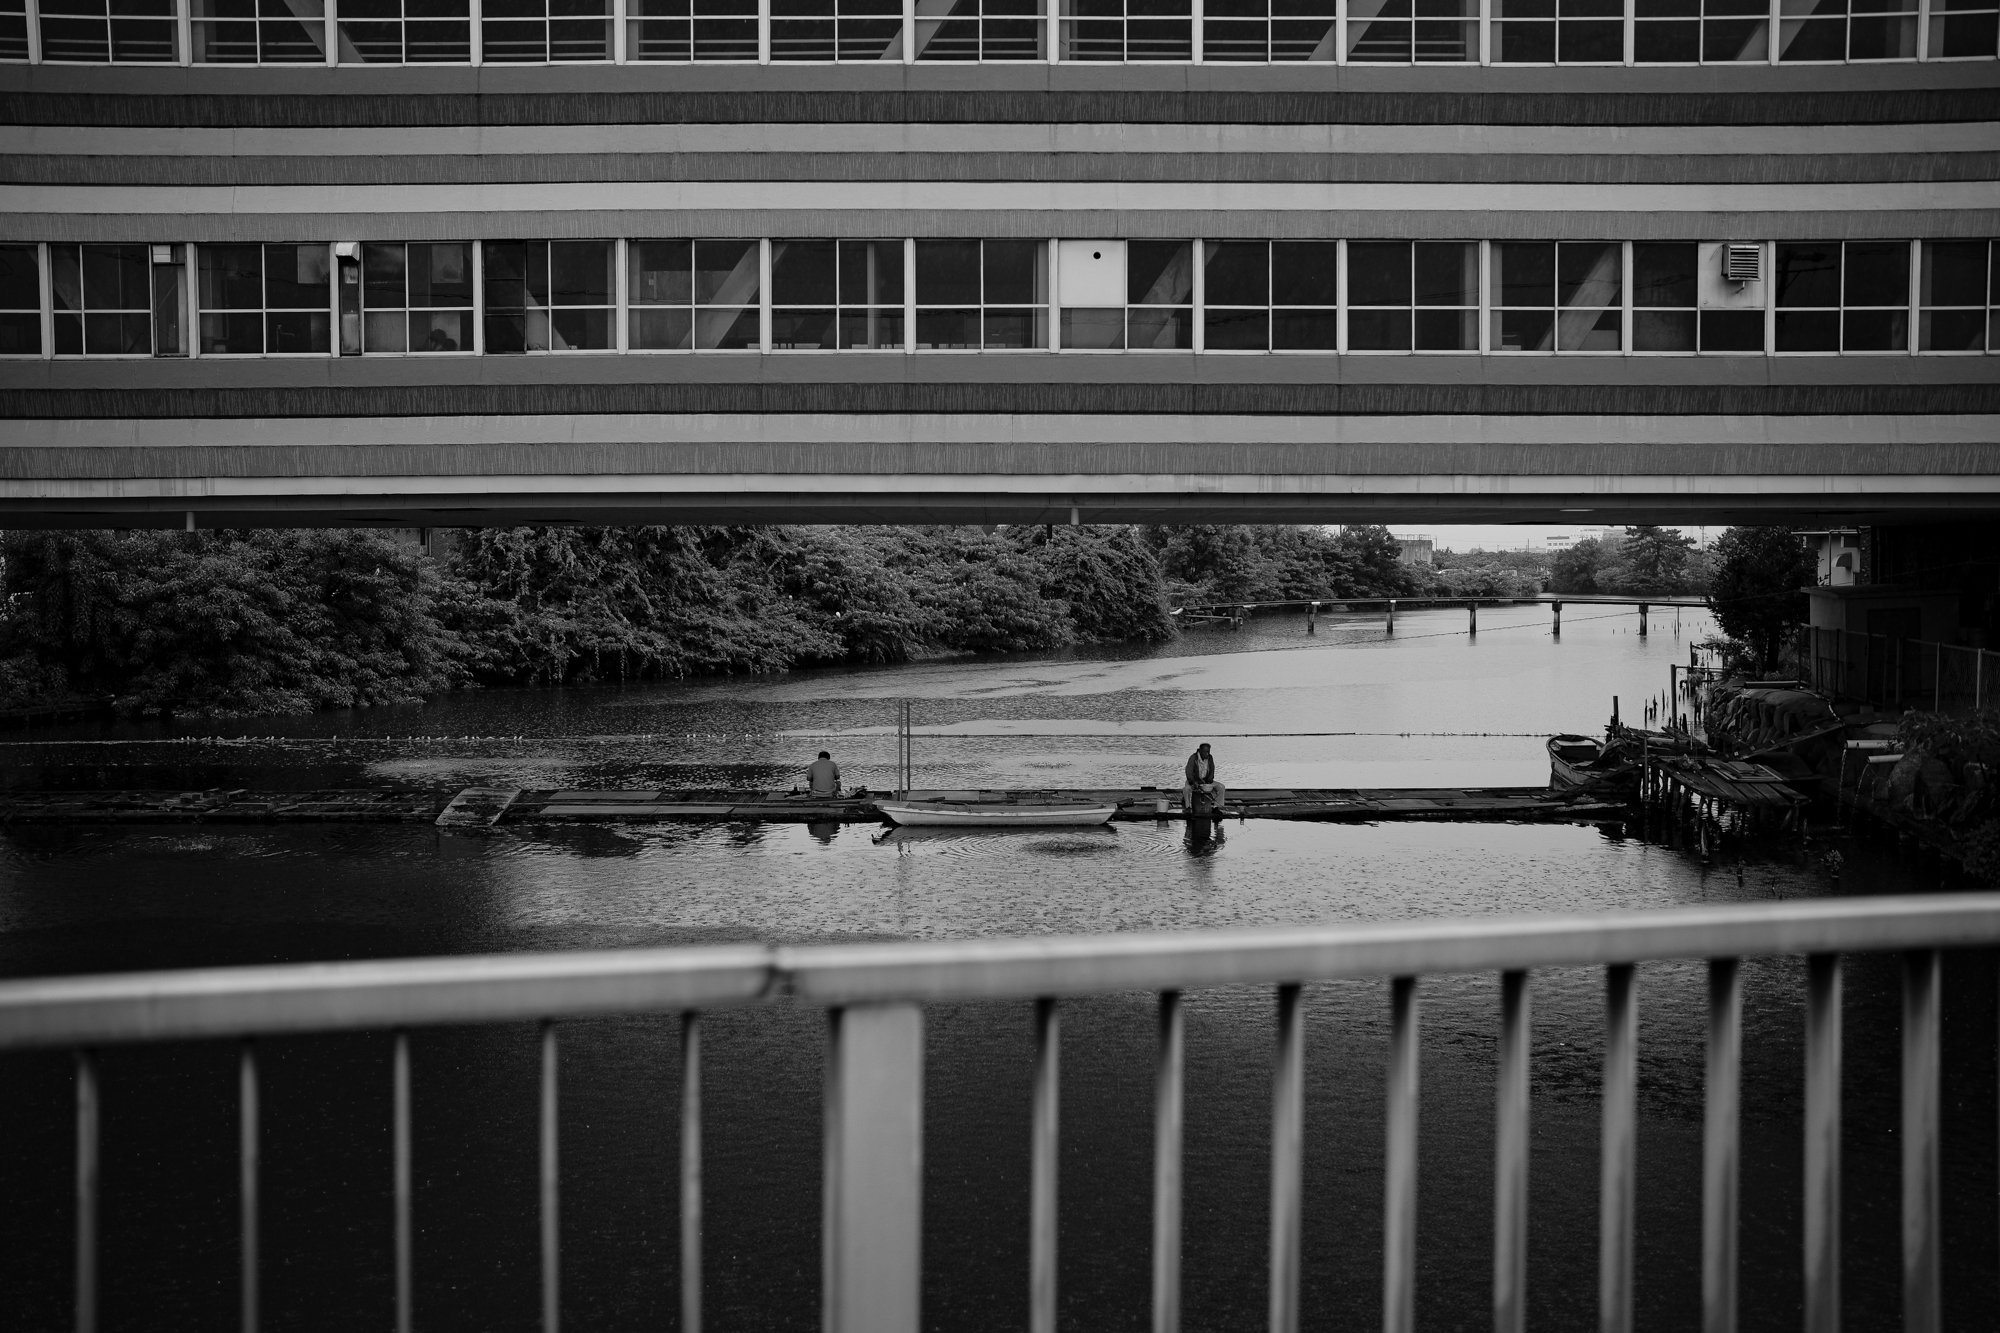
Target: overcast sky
{"x": 1512, "y": 537}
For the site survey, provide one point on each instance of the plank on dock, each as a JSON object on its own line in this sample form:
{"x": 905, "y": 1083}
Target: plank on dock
{"x": 478, "y": 807}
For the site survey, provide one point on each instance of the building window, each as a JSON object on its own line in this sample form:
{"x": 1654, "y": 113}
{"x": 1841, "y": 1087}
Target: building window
{"x": 836, "y": 294}
{"x": 690, "y": 30}
{"x": 1159, "y": 286}
{"x": 544, "y": 31}
{"x": 1248, "y": 30}
{"x": 547, "y": 296}
{"x": 405, "y": 32}
{"x": 20, "y": 301}
{"x": 1830, "y": 30}
{"x": 1421, "y": 296}
{"x": 983, "y": 30}
{"x": 1129, "y": 30}
{"x": 1843, "y": 298}
{"x": 13, "y": 29}
{"x": 1686, "y": 32}
{"x": 693, "y": 295}
{"x": 1557, "y": 297}
{"x": 265, "y": 299}
{"x": 1569, "y": 32}
{"x": 1668, "y": 313}
{"x": 122, "y": 32}
{"x": 103, "y": 299}
{"x": 836, "y": 29}
{"x": 416, "y": 297}
{"x": 1963, "y": 29}
{"x": 1265, "y": 295}
{"x": 982, "y": 294}
{"x": 231, "y": 32}
{"x": 1958, "y": 298}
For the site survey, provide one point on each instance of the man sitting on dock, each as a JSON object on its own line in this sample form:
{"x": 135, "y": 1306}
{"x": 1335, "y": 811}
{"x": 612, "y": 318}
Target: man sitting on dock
{"x": 1201, "y": 774}
{"x": 823, "y": 777}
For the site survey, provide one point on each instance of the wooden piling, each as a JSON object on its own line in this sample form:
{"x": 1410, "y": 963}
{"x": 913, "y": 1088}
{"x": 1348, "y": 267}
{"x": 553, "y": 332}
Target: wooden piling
{"x": 1644, "y": 611}
{"x": 1557, "y": 631}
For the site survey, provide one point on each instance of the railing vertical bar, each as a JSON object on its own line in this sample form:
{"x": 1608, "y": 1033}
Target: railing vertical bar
{"x": 1923, "y": 1310}
{"x": 1042, "y": 1172}
{"x": 247, "y": 1144}
{"x": 1619, "y": 1159}
{"x": 551, "y": 1221}
{"x": 1510, "y": 1160}
{"x": 1721, "y": 1146}
{"x": 1822, "y": 1202}
{"x": 1168, "y": 1083}
{"x": 1287, "y": 1161}
{"x": 87, "y": 1169}
{"x": 405, "y": 1303}
{"x": 1399, "y": 1203}
{"x": 691, "y": 1172}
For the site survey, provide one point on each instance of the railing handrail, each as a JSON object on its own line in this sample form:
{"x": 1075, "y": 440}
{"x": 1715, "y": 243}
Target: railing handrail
{"x": 395, "y": 993}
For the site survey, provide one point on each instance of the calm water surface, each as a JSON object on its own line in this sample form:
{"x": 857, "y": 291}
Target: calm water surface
{"x": 1345, "y": 707}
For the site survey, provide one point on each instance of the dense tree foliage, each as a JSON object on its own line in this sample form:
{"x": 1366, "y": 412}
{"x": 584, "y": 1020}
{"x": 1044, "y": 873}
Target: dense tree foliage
{"x": 1641, "y": 561}
{"x": 1214, "y": 563}
{"x": 1756, "y": 592}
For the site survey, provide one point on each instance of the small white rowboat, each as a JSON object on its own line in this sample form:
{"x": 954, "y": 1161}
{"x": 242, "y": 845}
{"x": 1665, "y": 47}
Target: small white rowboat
{"x": 996, "y": 814}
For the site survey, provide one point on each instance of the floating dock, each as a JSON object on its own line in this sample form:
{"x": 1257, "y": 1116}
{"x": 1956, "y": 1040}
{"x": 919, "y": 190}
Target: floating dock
{"x": 485, "y": 807}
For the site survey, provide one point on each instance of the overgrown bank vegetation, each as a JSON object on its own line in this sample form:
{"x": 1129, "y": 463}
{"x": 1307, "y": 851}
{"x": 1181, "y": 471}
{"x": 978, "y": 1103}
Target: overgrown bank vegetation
{"x": 293, "y": 620}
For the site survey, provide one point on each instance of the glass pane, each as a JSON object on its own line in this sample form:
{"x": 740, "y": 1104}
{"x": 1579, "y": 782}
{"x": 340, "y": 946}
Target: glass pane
{"x": 1808, "y": 274}
{"x": 1725, "y": 41}
{"x": 1377, "y": 330}
{"x": 1305, "y": 273}
{"x": 296, "y": 276}
{"x": 1591, "y": 43}
{"x": 1524, "y": 273}
{"x": 1808, "y": 330}
{"x": 1159, "y": 329}
{"x": 669, "y": 328}
{"x": 1875, "y": 331}
{"x": 882, "y": 327}
{"x": 1877, "y": 273}
{"x": 232, "y": 278}
{"x": 441, "y": 274}
{"x": 802, "y": 329}
{"x": 802, "y": 273}
{"x": 382, "y": 277}
{"x": 20, "y": 278}
{"x": 440, "y": 330}
{"x": 725, "y": 272}
{"x": 1663, "y": 330}
{"x": 580, "y": 273}
{"x": 232, "y": 333}
{"x": 1016, "y": 272}
{"x": 1159, "y": 273}
{"x": 1236, "y": 330}
{"x": 1447, "y": 273}
{"x": 117, "y": 334}
{"x": 1447, "y": 330}
{"x": 66, "y": 277}
{"x": 946, "y": 329}
{"x": 579, "y": 330}
{"x": 384, "y": 331}
{"x": 1589, "y": 273}
{"x": 662, "y": 272}
{"x": 116, "y": 277}
{"x": 1963, "y": 36}
{"x": 20, "y": 334}
{"x": 1952, "y": 330}
{"x": 1588, "y": 331}
{"x": 1304, "y": 330}
{"x": 295, "y": 332}
{"x": 1093, "y": 329}
{"x": 720, "y": 328}
{"x": 505, "y": 278}
{"x": 1523, "y": 330}
{"x": 947, "y": 274}
{"x": 1666, "y": 43}
{"x": 1527, "y": 43}
{"x": 1732, "y": 331}
{"x": 1663, "y": 274}
{"x": 1237, "y": 272}
{"x": 1378, "y": 273}
{"x": 1016, "y": 328}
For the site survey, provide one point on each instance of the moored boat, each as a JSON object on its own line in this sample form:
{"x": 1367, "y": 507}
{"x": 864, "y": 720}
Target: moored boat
{"x": 997, "y": 814}
{"x": 1575, "y": 760}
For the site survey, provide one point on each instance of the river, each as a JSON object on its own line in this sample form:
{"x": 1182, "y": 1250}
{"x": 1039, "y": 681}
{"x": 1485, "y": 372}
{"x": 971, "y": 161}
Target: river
{"x": 1347, "y": 706}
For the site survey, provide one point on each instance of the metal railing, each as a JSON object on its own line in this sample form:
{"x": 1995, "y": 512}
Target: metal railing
{"x": 874, "y": 994}
{"x": 1896, "y": 673}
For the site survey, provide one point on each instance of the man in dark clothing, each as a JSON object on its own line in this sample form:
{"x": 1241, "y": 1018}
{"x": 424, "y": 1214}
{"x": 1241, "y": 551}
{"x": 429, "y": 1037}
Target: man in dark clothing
{"x": 823, "y": 776}
{"x": 1201, "y": 773}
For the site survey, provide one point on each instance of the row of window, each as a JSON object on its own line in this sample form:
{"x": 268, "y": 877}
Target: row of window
{"x": 1336, "y": 31}
{"x": 518, "y": 297}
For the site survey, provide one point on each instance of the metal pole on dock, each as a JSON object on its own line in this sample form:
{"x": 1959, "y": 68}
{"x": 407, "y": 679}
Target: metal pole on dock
{"x": 1643, "y": 610}
{"x": 1472, "y": 617}
{"x": 1392, "y": 617}
{"x": 1557, "y": 632}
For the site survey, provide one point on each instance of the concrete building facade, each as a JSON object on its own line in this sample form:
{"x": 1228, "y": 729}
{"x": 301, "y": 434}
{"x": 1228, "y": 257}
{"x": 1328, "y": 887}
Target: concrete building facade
{"x": 1564, "y": 261}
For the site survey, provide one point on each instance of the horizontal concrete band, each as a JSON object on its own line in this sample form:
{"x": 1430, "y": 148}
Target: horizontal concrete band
{"x": 1535, "y": 97}
{"x": 1151, "y": 400}
{"x": 1138, "y": 167}
{"x": 724, "y": 142}
{"x": 1924, "y": 466}
{"x": 1307, "y": 223}
{"x": 555, "y": 434}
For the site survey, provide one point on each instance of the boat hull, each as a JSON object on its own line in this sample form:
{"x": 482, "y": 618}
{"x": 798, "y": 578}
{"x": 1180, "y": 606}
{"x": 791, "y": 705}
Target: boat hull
{"x": 928, "y": 814}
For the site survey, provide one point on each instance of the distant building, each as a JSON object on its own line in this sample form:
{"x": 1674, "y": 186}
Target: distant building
{"x": 1417, "y": 550}
{"x": 1836, "y": 556}
{"x": 1561, "y": 542}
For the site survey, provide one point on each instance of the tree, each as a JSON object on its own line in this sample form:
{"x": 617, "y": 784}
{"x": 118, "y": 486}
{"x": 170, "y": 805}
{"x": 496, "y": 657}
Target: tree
{"x": 1651, "y": 560}
{"x": 1758, "y": 596}
{"x": 1578, "y": 568}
